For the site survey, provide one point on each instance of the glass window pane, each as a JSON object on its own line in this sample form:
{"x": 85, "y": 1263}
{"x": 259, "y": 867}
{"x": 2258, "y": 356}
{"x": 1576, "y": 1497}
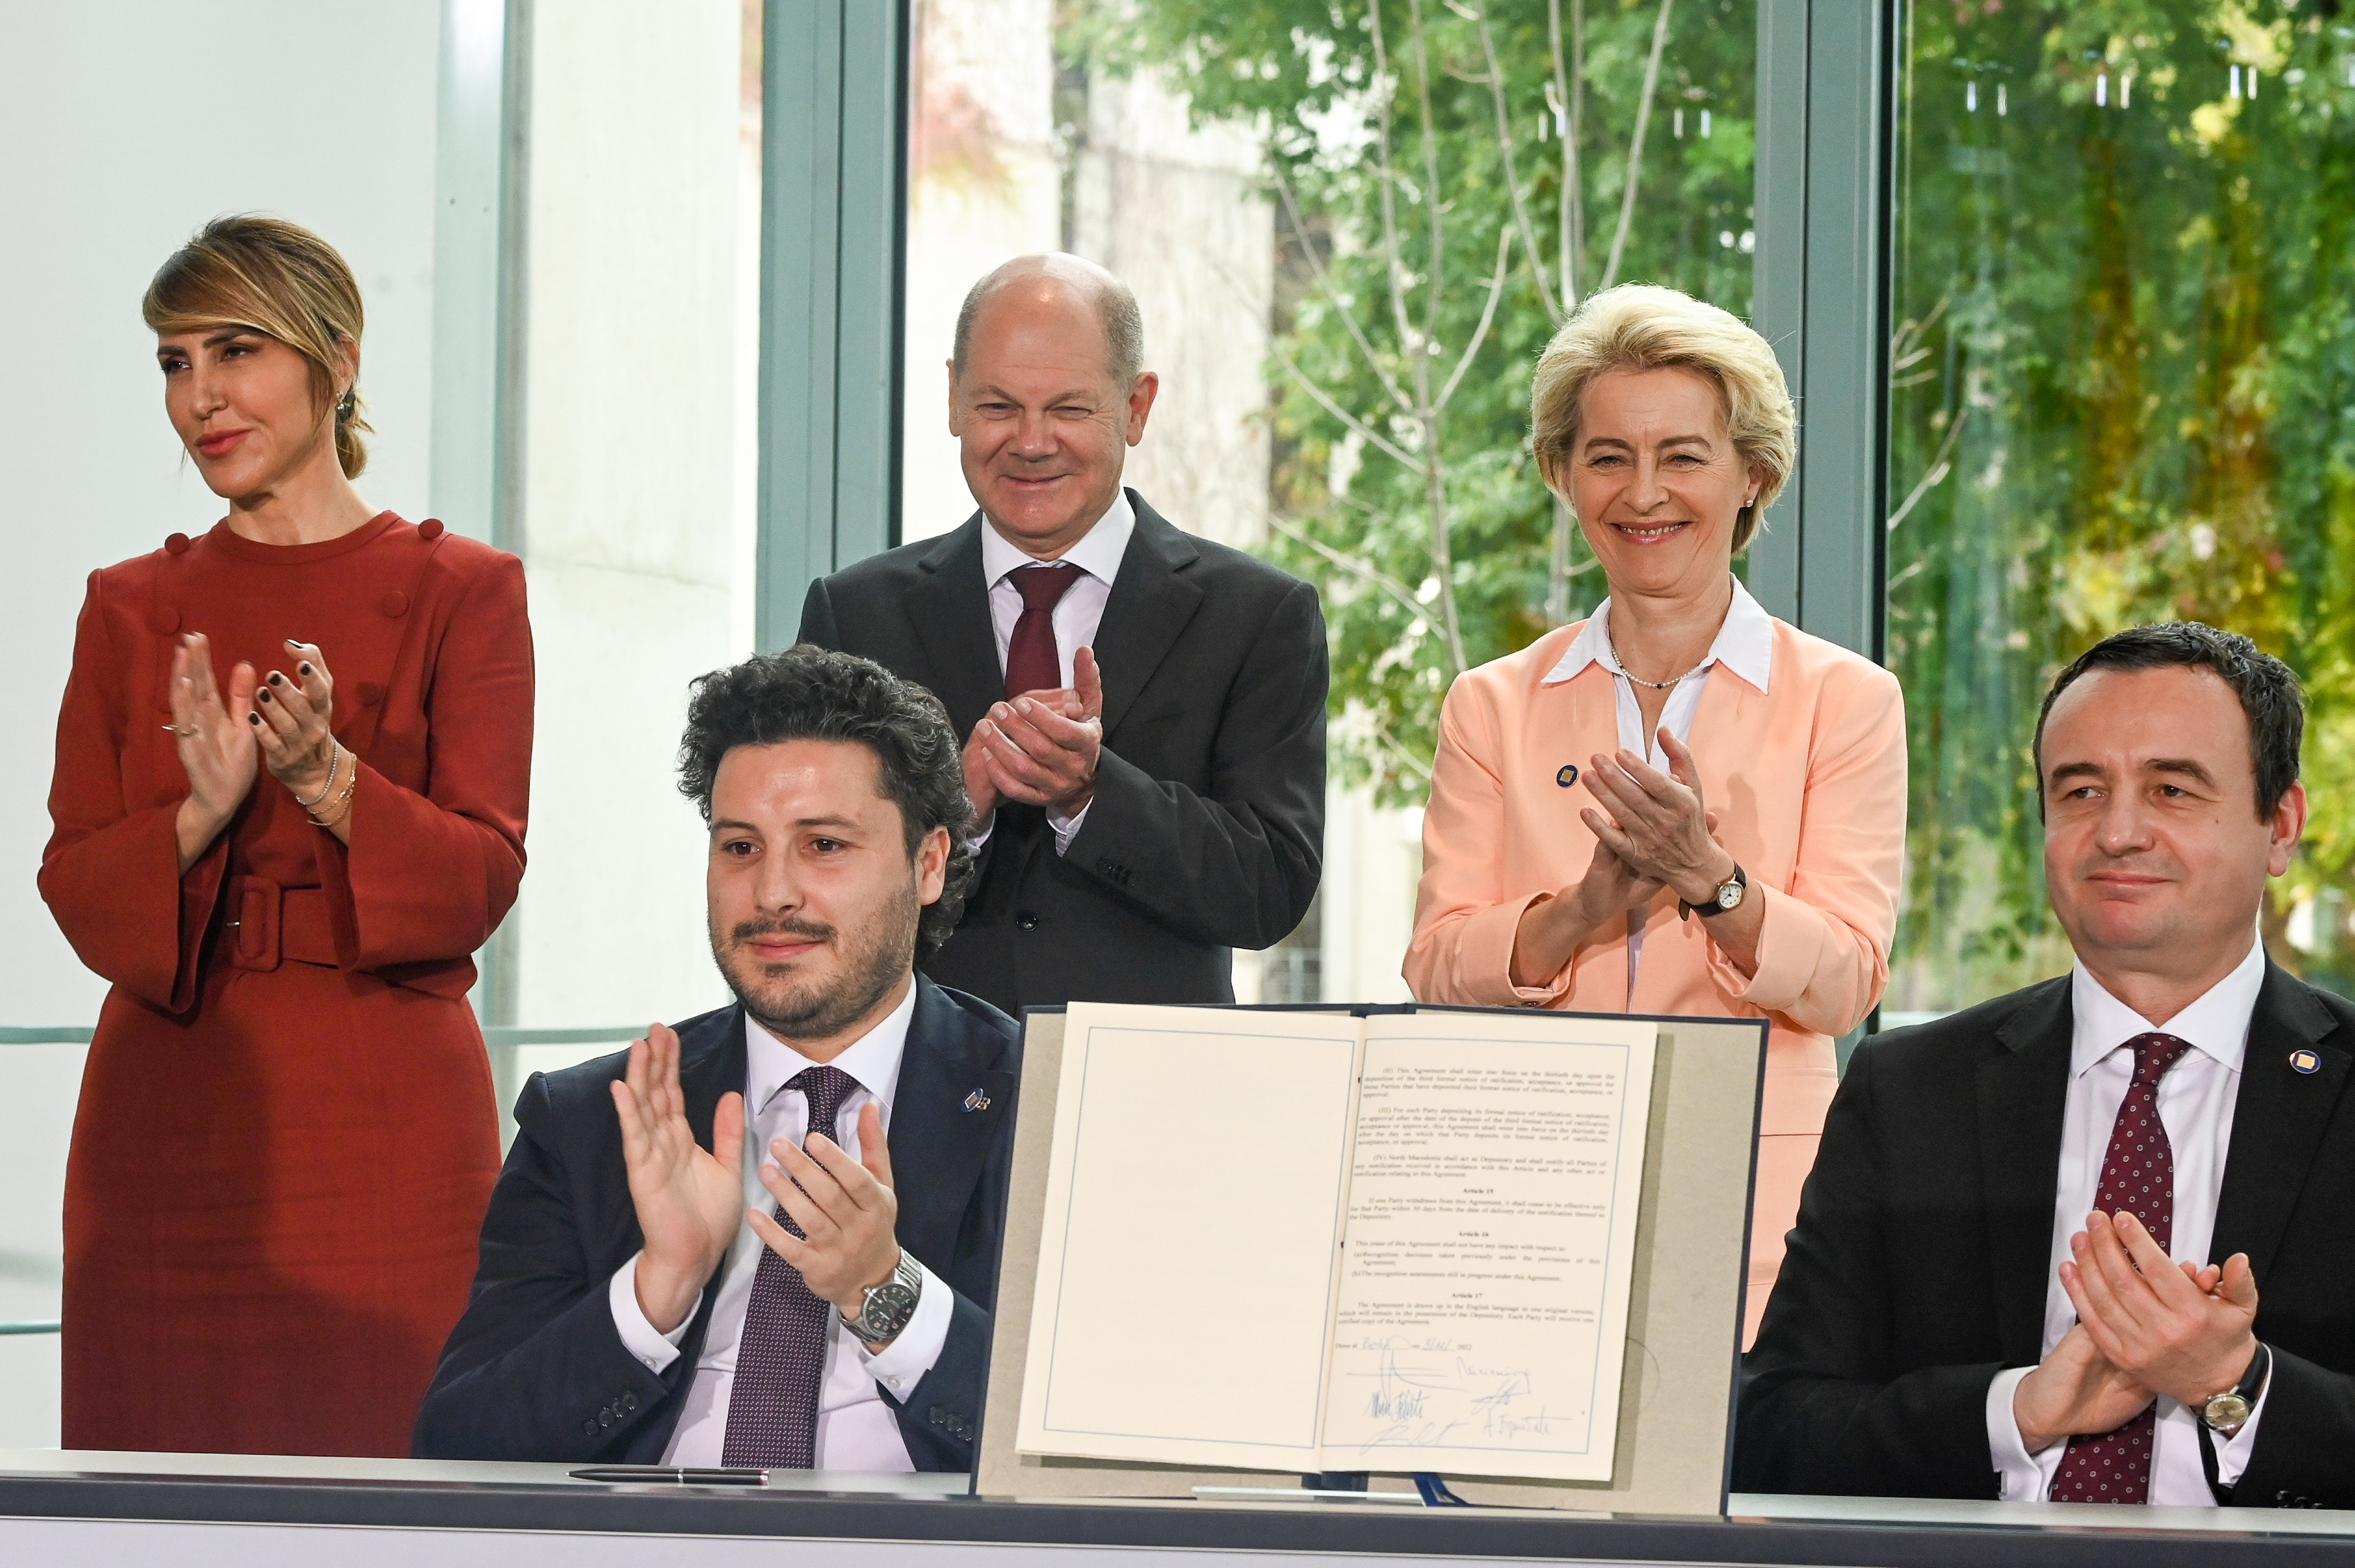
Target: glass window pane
{"x": 2121, "y": 393}
{"x": 1251, "y": 170}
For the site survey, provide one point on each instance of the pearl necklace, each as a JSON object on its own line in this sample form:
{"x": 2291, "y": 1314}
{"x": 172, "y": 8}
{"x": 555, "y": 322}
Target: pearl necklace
{"x": 1621, "y": 664}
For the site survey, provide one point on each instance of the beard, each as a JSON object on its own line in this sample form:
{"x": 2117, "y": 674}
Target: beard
{"x": 872, "y": 959}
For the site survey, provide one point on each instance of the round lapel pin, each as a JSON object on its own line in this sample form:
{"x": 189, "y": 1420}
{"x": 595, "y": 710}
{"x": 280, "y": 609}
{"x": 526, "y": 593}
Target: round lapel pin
{"x": 2304, "y": 1061}
{"x": 1567, "y": 776}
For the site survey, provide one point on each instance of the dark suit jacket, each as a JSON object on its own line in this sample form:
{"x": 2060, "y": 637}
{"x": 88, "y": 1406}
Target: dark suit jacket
{"x": 536, "y": 1369}
{"x": 1918, "y": 1268}
{"x": 1207, "y": 823}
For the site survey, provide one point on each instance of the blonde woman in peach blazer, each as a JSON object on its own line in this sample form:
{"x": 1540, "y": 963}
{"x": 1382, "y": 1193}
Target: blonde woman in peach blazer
{"x": 1679, "y": 750}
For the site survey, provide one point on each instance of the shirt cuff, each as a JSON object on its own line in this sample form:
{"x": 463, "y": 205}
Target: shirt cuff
{"x": 654, "y": 1349}
{"x": 1068, "y": 828}
{"x": 2021, "y": 1477}
{"x": 901, "y": 1365}
{"x": 982, "y": 837}
{"x": 2233, "y": 1453}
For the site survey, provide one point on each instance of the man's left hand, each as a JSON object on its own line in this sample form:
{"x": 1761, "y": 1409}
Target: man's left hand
{"x": 845, "y": 1208}
{"x": 1043, "y": 748}
{"x": 2151, "y": 1318}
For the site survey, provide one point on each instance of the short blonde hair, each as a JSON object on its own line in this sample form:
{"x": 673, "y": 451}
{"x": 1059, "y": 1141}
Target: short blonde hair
{"x": 277, "y": 278}
{"x": 1638, "y": 326}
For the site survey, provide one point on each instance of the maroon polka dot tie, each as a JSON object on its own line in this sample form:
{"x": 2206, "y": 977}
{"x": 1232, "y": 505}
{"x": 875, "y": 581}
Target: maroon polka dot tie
{"x": 2139, "y": 1176}
{"x": 1033, "y": 663}
{"x": 781, "y": 1356}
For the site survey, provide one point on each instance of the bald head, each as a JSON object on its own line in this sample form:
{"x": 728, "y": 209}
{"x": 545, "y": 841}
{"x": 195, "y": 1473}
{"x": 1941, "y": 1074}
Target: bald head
{"x": 1059, "y": 279}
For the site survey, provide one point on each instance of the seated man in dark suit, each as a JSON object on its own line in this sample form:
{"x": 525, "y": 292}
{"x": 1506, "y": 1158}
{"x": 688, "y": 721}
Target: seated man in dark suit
{"x": 2094, "y": 1241}
{"x": 1145, "y": 710}
{"x": 653, "y": 1289}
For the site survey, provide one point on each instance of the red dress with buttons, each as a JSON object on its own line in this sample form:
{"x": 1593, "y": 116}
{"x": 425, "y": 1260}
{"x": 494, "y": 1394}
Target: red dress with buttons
{"x": 286, "y": 1136}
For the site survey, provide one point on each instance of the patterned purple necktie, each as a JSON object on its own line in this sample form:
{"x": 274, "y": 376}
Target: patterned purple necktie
{"x": 2139, "y": 1176}
{"x": 781, "y": 1356}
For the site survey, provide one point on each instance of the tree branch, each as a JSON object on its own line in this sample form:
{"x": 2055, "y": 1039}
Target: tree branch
{"x": 1372, "y": 436}
{"x": 1355, "y": 565}
{"x": 1636, "y": 146}
{"x": 1512, "y": 179}
{"x": 1487, "y": 313}
{"x": 1333, "y": 295}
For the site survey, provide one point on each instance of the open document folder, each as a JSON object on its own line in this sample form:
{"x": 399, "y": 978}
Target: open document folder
{"x": 1305, "y": 1241}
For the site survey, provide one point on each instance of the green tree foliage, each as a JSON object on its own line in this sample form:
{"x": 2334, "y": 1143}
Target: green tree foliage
{"x": 1417, "y": 292}
{"x": 2124, "y": 391}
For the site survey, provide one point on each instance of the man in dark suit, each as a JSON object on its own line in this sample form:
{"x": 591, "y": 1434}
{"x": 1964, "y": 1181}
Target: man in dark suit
{"x": 1145, "y": 709}
{"x": 653, "y": 1290}
{"x": 2094, "y": 1241}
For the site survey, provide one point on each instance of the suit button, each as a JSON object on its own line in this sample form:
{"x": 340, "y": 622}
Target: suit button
{"x": 395, "y": 605}
{"x": 177, "y": 543}
{"x": 430, "y": 530}
{"x": 939, "y": 1418}
{"x": 629, "y": 1402}
{"x": 588, "y": 1429}
{"x": 1025, "y": 921}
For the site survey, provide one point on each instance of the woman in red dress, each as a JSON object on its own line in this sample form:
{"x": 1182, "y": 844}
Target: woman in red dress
{"x": 292, "y": 773}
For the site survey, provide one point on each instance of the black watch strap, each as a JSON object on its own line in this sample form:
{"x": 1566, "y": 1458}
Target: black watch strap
{"x": 1715, "y": 906}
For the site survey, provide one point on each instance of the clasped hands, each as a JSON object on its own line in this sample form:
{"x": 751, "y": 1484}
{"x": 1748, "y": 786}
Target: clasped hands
{"x": 278, "y": 721}
{"x": 2146, "y": 1326}
{"x": 1654, "y": 832}
{"x": 690, "y": 1200}
{"x": 1041, "y": 748}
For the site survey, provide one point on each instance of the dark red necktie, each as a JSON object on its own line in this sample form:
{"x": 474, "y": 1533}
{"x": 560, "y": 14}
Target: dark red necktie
{"x": 780, "y": 1355}
{"x": 2139, "y": 1176}
{"x": 1033, "y": 663}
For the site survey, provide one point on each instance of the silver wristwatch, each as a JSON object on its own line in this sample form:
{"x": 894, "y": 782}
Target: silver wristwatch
{"x": 889, "y": 1305}
{"x": 2226, "y": 1413}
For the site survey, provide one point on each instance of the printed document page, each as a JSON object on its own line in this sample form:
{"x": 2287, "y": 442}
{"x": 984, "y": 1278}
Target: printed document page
{"x": 1193, "y": 1221}
{"x": 1483, "y": 1303}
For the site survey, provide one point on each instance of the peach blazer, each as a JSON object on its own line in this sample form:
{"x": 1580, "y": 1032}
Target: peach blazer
{"x": 1808, "y": 781}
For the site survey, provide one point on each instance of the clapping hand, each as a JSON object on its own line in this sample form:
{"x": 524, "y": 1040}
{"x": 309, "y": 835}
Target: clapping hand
{"x": 2075, "y": 1391}
{"x": 845, "y": 1208}
{"x": 690, "y": 1200}
{"x": 1656, "y": 822}
{"x": 2179, "y": 1331}
{"x": 1041, "y": 748}
{"x": 216, "y": 747}
{"x": 291, "y": 717}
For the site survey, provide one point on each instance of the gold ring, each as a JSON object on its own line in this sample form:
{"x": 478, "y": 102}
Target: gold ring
{"x": 183, "y": 734}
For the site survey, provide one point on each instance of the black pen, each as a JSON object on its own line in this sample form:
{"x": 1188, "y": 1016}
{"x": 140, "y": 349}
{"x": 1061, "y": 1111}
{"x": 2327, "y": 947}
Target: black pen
{"x": 677, "y": 1475}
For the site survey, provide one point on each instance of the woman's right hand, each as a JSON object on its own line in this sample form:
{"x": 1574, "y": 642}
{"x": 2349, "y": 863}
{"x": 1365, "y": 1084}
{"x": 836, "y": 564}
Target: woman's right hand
{"x": 217, "y": 744}
{"x": 1611, "y": 887}
{"x": 1552, "y": 930}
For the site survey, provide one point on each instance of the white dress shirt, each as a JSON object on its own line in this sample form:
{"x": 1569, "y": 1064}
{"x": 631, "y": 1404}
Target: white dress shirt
{"x": 1744, "y": 644}
{"x": 855, "y": 1430}
{"x": 1077, "y": 616}
{"x": 2195, "y": 1105}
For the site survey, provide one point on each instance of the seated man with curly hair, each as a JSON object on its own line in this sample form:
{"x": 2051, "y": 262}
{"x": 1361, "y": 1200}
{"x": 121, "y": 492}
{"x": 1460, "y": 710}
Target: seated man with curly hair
{"x": 701, "y": 1251}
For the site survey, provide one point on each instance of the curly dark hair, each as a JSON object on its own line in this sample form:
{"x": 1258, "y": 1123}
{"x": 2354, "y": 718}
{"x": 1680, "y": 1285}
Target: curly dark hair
{"x": 2268, "y": 690}
{"x": 808, "y": 692}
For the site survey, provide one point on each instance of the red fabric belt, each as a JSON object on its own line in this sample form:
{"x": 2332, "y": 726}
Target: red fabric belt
{"x": 268, "y": 923}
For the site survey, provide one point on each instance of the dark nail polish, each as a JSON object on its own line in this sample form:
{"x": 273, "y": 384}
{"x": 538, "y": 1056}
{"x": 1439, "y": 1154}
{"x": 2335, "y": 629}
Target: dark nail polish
{"x": 276, "y": 679}
{"x": 255, "y": 718}
{"x": 305, "y": 668}
{"x": 261, "y": 696}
